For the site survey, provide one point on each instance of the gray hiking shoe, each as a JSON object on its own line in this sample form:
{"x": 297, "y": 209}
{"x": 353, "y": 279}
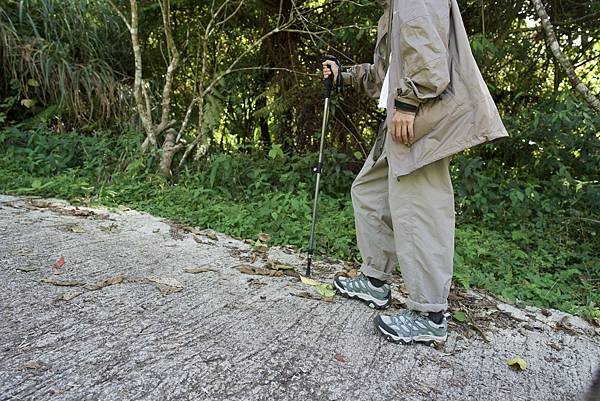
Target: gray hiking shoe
{"x": 411, "y": 326}
{"x": 361, "y": 288}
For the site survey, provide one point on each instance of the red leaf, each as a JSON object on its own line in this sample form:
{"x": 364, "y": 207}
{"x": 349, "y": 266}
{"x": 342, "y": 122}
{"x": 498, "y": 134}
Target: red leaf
{"x": 59, "y": 263}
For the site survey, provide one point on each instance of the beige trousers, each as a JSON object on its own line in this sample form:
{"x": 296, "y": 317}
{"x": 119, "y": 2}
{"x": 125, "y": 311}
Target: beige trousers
{"x": 409, "y": 220}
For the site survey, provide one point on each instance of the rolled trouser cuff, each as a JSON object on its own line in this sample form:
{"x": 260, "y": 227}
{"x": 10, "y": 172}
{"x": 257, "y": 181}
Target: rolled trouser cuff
{"x": 374, "y": 272}
{"x": 419, "y": 307}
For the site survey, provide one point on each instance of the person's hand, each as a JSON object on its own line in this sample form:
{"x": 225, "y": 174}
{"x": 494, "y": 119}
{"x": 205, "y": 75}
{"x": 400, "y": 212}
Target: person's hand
{"x": 402, "y": 127}
{"x": 334, "y": 68}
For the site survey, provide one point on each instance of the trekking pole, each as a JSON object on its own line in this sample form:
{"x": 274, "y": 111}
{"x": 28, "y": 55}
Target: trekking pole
{"x": 327, "y": 89}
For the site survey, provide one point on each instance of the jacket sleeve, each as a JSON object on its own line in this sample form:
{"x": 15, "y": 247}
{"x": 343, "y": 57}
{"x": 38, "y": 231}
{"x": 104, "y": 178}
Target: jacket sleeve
{"x": 363, "y": 78}
{"x": 424, "y": 57}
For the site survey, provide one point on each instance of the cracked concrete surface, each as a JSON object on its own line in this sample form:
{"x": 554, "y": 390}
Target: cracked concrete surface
{"x": 225, "y": 335}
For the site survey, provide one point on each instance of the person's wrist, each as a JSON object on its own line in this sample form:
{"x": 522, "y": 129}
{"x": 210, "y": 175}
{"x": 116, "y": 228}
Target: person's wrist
{"x": 405, "y": 107}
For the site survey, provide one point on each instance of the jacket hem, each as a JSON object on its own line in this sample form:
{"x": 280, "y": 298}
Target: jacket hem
{"x": 398, "y": 172}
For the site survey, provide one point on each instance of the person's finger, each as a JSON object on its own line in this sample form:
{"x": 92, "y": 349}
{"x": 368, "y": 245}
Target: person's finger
{"x": 403, "y": 133}
{"x": 411, "y": 132}
{"x": 394, "y": 131}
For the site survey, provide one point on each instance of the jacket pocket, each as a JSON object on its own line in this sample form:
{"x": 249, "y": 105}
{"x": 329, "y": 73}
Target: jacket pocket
{"x": 433, "y": 112}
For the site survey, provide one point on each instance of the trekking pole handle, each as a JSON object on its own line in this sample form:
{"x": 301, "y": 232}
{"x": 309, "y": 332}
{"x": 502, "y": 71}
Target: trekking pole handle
{"x": 328, "y": 82}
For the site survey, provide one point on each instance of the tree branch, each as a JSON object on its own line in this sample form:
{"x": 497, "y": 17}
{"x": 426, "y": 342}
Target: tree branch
{"x": 562, "y": 59}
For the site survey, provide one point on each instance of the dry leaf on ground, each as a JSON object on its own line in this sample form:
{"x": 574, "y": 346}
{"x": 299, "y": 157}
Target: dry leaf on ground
{"x": 259, "y": 271}
{"x": 31, "y": 365}
{"x": 109, "y": 229}
{"x": 104, "y": 283}
{"x": 27, "y": 269}
{"x": 276, "y": 265}
{"x": 75, "y": 228}
{"x": 166, "y": 285}
{"x": 195, "y": 270}
{"x": 206, "y": 233}
{"x": 339, "y": 357}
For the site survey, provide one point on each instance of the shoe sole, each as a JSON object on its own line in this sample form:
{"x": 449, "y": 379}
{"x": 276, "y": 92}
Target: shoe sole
{"x": 396, "y": 339}
{"x": 372, "y": 302}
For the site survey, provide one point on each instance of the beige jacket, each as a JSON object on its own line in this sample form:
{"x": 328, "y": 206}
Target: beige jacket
{"x": 432, "y": 67}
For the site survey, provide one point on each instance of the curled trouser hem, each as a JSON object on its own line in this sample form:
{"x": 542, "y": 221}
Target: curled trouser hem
{"x": 375, "y": 272}
{"x": 410, "y": 304}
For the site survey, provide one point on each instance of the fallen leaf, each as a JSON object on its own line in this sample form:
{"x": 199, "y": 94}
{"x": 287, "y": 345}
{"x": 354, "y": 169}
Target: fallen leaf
{"x": 59, "y": 263}
{"x": 104, "y": 283}
{"x": 206, "y": 233}
{"x": 26, "y": 252}
{"x": 341, "y": 273}
{"x": 67, "y": 296}
{"x": 459, "y": 316}
{"x": 33, "y": 365}
{"x": 325, "y": 290}
{"x": 200, "y": 239}
{"x": 260, "y": 247}
{"x": 75, "y": 228}
{"x": 291, "y": 273}
{"x": 27, "y": 269}
{"x": 339, "y": 357}
{"x": 111, "y": 228}
{"x": 259, "y": 271}
{"x": 197, "y": 269}
{"x": 517, "y": 363}
{"x": 546, "y": 312}
{"x": 276, "y": 265}
{"x": 264, "y": 237}
{"x": 309, "y": 281}
{"x": 353, "y": 273}
{"x": 61, "y": 283}
{"x": 166, "y": 285}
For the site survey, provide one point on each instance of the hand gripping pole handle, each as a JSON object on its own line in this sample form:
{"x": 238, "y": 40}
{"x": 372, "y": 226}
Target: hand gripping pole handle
{"x": 328, "y": 83}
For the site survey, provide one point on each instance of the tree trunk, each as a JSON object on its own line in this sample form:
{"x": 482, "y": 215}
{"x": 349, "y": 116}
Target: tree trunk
{"x": 263, "y": 124}
{"x": 169, "y": 149}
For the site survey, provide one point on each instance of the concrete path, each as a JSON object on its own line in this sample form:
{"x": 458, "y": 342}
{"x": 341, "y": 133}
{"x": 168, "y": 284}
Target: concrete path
{"x": 122, "y": 320}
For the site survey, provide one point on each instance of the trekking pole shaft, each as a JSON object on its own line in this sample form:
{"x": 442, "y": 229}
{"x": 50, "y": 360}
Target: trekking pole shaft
{"x": 316, "y": 198}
